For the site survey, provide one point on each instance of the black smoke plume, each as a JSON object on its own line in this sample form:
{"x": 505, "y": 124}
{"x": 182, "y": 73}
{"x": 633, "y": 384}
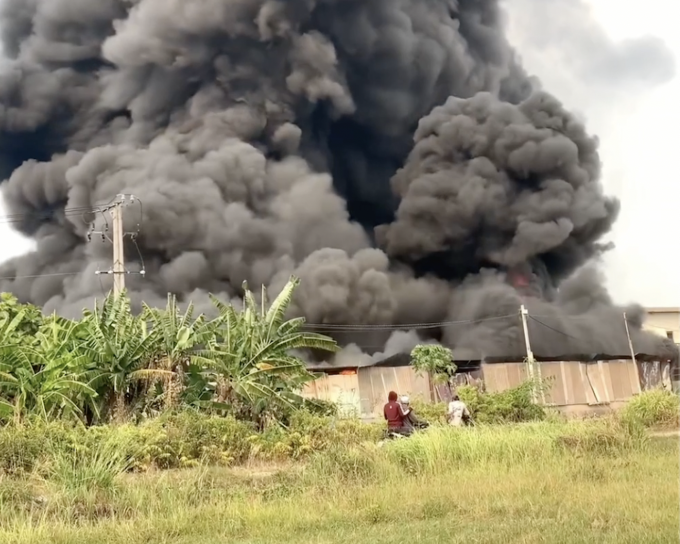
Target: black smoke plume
{"x": 392, "y": 153}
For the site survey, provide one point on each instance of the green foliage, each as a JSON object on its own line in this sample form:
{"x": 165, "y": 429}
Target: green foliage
{"x": 177, "y": 336}
{"x": 81, "y": 458}
{"x": 467, "y": 482}
{"x": 20, "y": 448}
{"x": 248, "y": 361}
{"x": 510, "y": 406}
{"x": 25, "y": 445}
{"x": 349, "y": 464}
{"x": 426, "y": 452}
{"x": 608, "y": 436}
{"x": 658, "y": 408}
{"x": 432, "y": 412}
{"x": 74, "y": 454}
{"x": 114, "y": 364}
{"x": 435, "y": 360}
{"x": 187, "y": 438}
{"x": 49, "y": 378}
{"x": 94, "y": 468}
{"x": 19, "y": 323}
{"x": 119, "y": 346}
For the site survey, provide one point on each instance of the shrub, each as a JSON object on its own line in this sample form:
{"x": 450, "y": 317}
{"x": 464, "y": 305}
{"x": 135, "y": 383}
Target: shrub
{"x": 174, "y": 440}
{"x": 510, "y": 406}
{"x": 24, "y": 446}
{"x": 309, "y": 433}
{"x": 657, "y": 408}
{"x": 433, "y": 413}
{"x": 184, "y": 439}
{"x": 20, "y": 449}
{"x": 319, "y": 407}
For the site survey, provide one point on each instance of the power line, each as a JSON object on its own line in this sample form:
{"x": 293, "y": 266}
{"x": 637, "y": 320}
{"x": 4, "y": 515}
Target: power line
{"x": 40, "y": 275}
{"x": 49, "y": 214}
{"x": 40, "y": 213}
{"x": 401, "y": 326}
{"x": 551, "y": 328}
{"x": 567, "y": 316}
{"x": 112, "y": 206}
{"x": 66, "y": 212}
{"x": 133, "y": 238}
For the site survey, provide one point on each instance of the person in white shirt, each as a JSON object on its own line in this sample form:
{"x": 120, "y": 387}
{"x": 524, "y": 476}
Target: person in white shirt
{"x": 458, "y": 412}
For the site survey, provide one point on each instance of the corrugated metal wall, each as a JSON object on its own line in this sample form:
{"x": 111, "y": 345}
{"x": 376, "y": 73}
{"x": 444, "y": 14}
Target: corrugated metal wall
{"x": 376, "y": 382}
{"x": 571, "y": 382}
{"x": 340, "y": 389}
{"x": 365, "y": 393}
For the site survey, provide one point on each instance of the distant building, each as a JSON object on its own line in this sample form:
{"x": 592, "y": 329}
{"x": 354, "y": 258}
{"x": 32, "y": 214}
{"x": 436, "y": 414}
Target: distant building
{"x": 579, "y": 384}
{"x": 664, "y": 322}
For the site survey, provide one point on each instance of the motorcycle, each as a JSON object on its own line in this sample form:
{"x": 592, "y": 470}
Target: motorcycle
{"x": 395, "y": 435}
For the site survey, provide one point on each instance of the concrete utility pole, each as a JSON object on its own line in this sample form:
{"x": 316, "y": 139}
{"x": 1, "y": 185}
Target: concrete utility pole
{"x": 630, "y": 342}
{"x": 632, "y": 350}
{"x": 118, "y": 251}
{"x": 523, "y": 312}
{"x": 115, "y": 208}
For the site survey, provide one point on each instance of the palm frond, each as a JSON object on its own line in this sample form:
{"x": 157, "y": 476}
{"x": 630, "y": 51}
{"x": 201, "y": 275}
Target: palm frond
{"x": 274, "y": 316}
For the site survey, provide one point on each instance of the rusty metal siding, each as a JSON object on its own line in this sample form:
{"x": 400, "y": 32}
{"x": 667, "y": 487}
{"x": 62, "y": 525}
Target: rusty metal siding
{"x": 654, "y": 375}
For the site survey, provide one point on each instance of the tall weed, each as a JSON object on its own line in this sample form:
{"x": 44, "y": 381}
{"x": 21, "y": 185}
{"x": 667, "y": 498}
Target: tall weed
{"x": 92, "y": 468}
{"x": 25, "y": 445}
{"x": 511, "y": 445}
{"x": 429, "y": 451}
{"x": 658, "y": 408}
{"x": 605, "y": 436}
{"x": 354, "y": 464}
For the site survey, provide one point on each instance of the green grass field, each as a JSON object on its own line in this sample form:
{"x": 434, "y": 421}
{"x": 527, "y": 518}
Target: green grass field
{"x": 545, "y": 482}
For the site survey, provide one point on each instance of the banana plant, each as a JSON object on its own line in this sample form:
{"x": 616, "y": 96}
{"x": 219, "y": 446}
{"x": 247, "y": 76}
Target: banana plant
{"x": 18, "y": 322}
{"x": 178, "y": 336}
{"x": 48, "y": 379}
{"x": 249, "y": 356}
{"x": 120, "y": 346}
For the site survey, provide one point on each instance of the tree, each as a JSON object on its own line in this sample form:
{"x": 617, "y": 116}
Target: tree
{"x": 434, "y": 359}
{"x": 248, "y": 360}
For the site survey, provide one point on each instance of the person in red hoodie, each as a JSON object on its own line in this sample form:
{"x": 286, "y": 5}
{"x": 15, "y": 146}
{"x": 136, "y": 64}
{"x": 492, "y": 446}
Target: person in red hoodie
{"x": 395, "y": 415}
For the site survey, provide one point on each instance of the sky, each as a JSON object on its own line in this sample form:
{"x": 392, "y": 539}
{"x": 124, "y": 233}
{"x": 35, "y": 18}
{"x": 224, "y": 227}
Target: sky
{"x": 621, "y": 73}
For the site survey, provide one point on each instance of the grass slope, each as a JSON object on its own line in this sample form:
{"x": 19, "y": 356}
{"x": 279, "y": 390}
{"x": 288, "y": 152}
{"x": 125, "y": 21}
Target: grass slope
{"x": 530, "y": 483}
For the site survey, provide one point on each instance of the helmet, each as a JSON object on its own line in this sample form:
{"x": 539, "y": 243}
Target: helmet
{"x": 404, "y": 399}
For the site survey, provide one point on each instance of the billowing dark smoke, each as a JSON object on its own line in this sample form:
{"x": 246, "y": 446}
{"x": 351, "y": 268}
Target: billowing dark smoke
{"x": 391, "y": 153}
